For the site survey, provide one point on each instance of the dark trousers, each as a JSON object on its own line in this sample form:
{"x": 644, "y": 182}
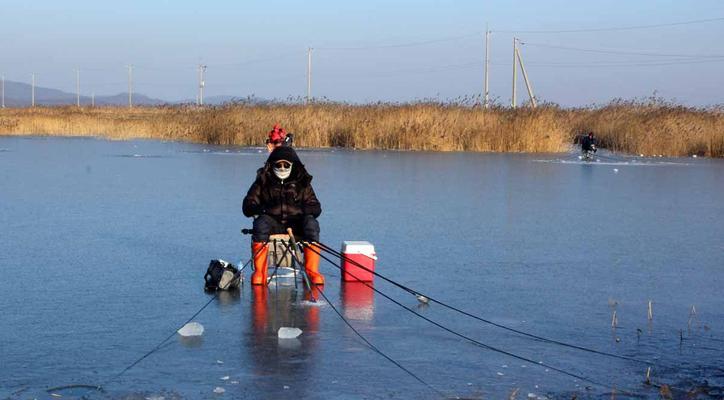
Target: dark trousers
{"x": 304, "y": 229}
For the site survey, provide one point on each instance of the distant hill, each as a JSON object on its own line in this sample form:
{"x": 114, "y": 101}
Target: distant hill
{"x": 18, "y": 94}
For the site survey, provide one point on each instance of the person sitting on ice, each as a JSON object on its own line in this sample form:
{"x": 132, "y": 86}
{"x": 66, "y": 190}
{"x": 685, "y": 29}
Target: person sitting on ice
{"x": 278, "y": 136}
{"x": 588, "y": 143}
{"x": 282, "y": 197}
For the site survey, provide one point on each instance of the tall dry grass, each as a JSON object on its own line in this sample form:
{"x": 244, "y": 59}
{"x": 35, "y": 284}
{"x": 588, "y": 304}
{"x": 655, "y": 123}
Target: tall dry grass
{"x": 628, "y": 127}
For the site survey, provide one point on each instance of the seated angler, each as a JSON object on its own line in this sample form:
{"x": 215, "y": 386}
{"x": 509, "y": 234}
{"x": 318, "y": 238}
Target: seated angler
{"x": 282, "y": 197}
{"x": 588, "y": 143}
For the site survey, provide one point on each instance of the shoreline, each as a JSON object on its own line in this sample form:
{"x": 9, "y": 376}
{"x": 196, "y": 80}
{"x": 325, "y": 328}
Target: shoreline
{"x": 629, "y": 128}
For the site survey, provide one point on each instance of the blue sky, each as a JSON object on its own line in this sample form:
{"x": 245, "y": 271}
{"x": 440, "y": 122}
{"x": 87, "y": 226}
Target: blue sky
{"x": 259, "y": 47}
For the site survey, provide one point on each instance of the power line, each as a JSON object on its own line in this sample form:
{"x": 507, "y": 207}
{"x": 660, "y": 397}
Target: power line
{"x": 620, "y": 28}
{"x": 619, "y": 64}
{"x": 256, "y": 61}
{"x": 622, "y": 52}
{"x": 399, "y": 45}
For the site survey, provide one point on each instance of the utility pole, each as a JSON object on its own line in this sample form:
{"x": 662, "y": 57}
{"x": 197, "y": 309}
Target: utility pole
{"x": 515, "y": 72}
{"x": 93, "y": 99}
{"x": 202, "y": 83}
{"x": 2, "y": 89}
{"x": 309, "y": 74}
{"x": 486, "y": 92}
{"x": 130, "y": 85}
{"x": 32, "y": 91}
{"x": 77, "y": 87}
{"x": 525, "y": 77}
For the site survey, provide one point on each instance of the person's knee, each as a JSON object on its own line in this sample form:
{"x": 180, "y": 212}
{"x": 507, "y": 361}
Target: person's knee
{"x": 263, "y": 226}
{"x": 311, "y": 229}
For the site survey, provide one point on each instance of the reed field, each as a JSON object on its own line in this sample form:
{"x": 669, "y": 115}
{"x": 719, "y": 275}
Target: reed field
{"x": 638, "y": 127}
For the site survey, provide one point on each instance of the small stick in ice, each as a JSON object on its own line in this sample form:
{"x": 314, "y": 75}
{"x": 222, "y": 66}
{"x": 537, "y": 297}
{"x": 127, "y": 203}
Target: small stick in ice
{"x": 692, "y": 316}
{"x": 651, "y": 311}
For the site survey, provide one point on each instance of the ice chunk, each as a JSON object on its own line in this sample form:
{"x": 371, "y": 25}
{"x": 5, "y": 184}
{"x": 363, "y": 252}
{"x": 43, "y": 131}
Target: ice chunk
{"x": 219, "y": 390}
{"x": 225, "y": 378}
{"x": 288, "y": 333}
{"x": 191, "y": 329}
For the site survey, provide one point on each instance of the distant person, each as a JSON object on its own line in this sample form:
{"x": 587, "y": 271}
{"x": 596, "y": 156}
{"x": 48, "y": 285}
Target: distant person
{"x": 588, "y": 144}
{"x": 282, "y": 197}
{"x": 278, "y": 136}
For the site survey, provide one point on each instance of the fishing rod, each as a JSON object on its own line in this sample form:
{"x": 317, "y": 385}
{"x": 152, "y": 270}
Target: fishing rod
{"x": 468, "y": 338}
{"x": 295, "y": 256}
{"x": 276, "y": 264}
{"x": 421, "y": 296}
{"x": 356, "y": 332}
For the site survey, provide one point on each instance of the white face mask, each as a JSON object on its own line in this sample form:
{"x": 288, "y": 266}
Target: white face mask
{"x": 282, "y": 173}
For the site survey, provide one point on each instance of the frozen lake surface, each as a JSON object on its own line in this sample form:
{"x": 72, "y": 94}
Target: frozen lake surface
{"x": 104, "y": 246}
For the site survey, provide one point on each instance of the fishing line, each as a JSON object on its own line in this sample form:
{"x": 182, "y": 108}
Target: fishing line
{"x": 372, "y": 346}
{"x": 276, "y": 264}
{"x": 530, "y": 335}
{"x": 375, "y": 348}
{"x": 99, "y": 387}
{"x": 474, "y": 341}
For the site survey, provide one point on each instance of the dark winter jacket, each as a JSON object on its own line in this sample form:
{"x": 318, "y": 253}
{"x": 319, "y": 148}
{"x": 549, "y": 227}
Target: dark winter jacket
{"x": 286, "y": 200}
{"x": 588, "y": 143}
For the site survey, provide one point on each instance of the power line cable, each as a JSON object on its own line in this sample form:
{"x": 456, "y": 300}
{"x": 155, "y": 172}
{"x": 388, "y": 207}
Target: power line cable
{"x": 613, "y": 65}
{"x": 254, "y": 61}
{"x": 400, "y": 45}
{"x": 620, "y": 28}
{"x": 623, "y": 52}
{"x": 413, "y": 71}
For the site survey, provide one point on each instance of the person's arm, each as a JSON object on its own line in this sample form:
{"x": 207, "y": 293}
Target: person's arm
{"x": 310, "y": 204}
{"x": 252, "y": 202}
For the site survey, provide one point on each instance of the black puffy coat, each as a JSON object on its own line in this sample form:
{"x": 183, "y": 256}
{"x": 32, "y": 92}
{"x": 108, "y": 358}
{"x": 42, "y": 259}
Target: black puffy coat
{"x": 588, "y": 143}
{"x": 286, "y": 200}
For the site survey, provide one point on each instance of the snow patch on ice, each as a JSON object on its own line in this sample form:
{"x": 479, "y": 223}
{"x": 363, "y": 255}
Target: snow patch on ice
{"x": 191, "y": 329}
{"x": 288, "y": 333}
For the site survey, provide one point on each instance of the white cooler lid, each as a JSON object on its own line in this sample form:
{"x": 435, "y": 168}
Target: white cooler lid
{"x": 359, "y": 247}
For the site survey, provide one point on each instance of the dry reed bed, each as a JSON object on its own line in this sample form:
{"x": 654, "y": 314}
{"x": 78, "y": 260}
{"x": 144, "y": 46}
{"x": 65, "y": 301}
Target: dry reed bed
{"x": 628, "y": 127}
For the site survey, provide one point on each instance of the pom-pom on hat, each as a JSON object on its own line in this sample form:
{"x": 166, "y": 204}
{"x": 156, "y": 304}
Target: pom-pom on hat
{"x": 277, "y": 134}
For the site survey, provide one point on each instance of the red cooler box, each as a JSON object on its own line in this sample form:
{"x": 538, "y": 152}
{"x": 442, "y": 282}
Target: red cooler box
{"x": 362, "y": 253}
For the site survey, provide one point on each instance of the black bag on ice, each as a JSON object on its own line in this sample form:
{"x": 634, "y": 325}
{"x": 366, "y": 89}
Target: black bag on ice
{"x": 222, "y": 275}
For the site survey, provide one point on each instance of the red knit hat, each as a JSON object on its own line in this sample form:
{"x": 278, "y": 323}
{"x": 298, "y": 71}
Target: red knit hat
{"x": 277, "y": 134}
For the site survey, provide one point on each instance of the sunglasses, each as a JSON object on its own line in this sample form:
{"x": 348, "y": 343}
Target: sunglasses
{"x": 283, "y": 164}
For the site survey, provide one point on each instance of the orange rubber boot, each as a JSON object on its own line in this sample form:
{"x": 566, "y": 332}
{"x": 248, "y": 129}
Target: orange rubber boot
{"x": 311, "y": 264}
{"x": 260, "y": 252}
